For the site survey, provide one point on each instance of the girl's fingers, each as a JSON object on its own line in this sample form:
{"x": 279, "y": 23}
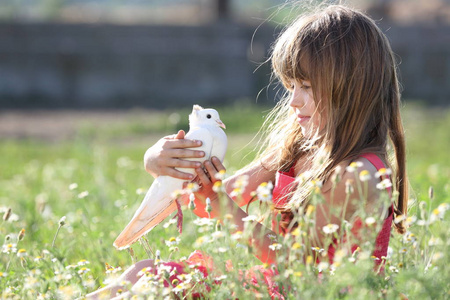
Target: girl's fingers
{"x": 180, "y": 134}
{"x": 182, "y": 143}
{"x": 218, "y": 164}
{"x": 183, "y": 153}
{"x": 204, "y": 179}
{"x": 178, "y": 174}
{"x": 181, "y": 163}
{"x": 212, "y": 171}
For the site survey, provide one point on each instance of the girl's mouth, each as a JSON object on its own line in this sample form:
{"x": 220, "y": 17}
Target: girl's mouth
{"x": 303, "y": 119}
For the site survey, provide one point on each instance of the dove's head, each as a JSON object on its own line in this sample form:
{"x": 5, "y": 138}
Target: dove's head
{"x": 205, "y": 116}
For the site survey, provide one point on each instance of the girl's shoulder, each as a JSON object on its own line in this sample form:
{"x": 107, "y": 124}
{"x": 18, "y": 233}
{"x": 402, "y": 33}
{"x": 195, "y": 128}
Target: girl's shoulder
{"x": 362, "y": 168}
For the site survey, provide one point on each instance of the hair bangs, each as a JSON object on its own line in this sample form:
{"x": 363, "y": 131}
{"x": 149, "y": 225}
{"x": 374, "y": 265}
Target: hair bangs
{"x": 291, "y": 58}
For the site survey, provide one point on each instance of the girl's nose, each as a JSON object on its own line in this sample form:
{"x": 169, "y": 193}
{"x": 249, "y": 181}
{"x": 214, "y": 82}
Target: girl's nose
{"x": 296, "y": 99}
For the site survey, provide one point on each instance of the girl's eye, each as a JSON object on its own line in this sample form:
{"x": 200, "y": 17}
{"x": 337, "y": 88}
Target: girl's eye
{"x": 305, "y": 87}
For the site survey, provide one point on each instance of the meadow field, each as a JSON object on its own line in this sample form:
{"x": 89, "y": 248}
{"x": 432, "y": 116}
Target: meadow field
{"x": 73, "y": 188}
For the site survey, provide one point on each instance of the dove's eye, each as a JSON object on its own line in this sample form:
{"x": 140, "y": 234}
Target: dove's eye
{"x": 208, "y": 116}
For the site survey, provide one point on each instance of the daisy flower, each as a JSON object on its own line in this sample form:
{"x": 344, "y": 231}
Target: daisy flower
{"x": 364, "y": 175}
{"x": 264, "y": 191}
{"x": 384, "y": 184}
{"x": 383, "y": 172}
{"x": 353, "y": 166}
{"x": 173, "y": 241}
{"x": 330, "y": 228}
{"x": 275, "y": 247}
{"x": 21, "y": 253}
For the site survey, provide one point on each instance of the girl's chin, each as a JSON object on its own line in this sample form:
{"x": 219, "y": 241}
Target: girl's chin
{"x": 307, "y": 132}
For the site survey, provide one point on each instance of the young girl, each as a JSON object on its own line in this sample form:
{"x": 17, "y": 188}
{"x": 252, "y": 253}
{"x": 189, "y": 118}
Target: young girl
{"x": 342, "y": 108}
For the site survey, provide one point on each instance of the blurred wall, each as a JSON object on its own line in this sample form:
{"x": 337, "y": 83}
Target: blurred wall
{"x": 113, "y": 66}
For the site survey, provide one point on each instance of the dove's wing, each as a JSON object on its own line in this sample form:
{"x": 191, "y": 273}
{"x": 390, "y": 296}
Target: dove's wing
{"x": 158, "y": 202}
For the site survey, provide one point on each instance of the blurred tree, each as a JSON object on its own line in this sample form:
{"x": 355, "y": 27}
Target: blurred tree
{"x": 223, "y": 9}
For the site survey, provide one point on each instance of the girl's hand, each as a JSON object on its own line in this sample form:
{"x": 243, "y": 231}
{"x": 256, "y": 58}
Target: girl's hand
{"x": 166, "y": 155}
{"x": 206, "y": 177}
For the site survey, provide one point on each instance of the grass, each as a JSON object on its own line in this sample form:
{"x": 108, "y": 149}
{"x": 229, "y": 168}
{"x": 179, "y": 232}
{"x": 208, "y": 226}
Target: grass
{"x": 37, "y": 181}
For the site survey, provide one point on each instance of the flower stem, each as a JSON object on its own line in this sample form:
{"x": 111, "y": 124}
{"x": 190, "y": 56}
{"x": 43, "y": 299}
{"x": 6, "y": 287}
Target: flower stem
{"x": 56, "y": 234}
{"x": 9, "y": 261}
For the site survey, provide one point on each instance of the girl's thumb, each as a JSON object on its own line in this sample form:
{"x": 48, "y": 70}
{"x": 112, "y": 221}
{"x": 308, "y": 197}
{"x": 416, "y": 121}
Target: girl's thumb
{"x": 180, "y": 135}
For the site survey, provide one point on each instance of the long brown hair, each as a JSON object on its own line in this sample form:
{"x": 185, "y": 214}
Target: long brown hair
{"x": 353, "y": 76}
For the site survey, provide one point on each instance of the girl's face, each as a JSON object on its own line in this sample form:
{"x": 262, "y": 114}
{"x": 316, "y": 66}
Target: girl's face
{"x": 302, "y": 101}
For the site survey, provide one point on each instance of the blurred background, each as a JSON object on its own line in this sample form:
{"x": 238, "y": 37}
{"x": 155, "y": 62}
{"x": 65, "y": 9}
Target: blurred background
{"x": 170, "y": 53}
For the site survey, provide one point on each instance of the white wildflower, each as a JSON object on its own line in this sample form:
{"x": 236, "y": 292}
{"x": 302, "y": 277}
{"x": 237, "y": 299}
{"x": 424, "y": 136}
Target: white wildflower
{"x": 9, "y": 248}
{"x": 22, "y": 253}
{"x": 241, "y": 182}
{"x": 83, "y": 194}
{"x": 354, "y": 166}
{"x": 73, "y": 186}
{"x": 434, "y": 241}
{"x": 364, "y": 175}
{"x": 221, "y": 175}
{"x": 204, "y": 222}
{"x": 383, "y": 172}
{"x": 330, "y": 228}
{"x": 172, "y": 242}
{"x": 264, "y": 191}
{"x": 83, "y": 262}
{"x": 410, "y": 220}
{"x": 83, "y": 270}
{"x": 275, "y": 247}
{"x": 218, "y": 234}
{"x": 370, "y": 221}
{"x": 384, "y": 184}
{"x": 322, "y": 266}
{"x": 170, "y": 222}
{"x": 250, "y": 218}
{"x": 220, "y": 278}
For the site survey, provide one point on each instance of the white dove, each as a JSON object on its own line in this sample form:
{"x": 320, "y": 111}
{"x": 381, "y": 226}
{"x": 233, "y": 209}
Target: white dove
{"x": 204, "y": 125}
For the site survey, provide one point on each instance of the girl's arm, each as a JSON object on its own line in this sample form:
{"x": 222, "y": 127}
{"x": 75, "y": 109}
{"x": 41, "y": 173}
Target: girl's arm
{"x": 261, "y": 237}
{"x": 256, "y": 173}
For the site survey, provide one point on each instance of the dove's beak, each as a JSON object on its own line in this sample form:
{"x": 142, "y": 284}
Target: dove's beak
{"x": 221, "y": 124}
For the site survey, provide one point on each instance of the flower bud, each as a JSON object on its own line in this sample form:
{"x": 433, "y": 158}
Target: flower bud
{"x": 336, "y": 177}
{"x": 157, "y": 256}
{"x": 7, "y": 214}
{"x": 431, "y": 193}
{"x": 191, "y": 205}
{"x": 62, "y": 221}
{"x": 208, "y": 207}
{"x": 21, "y": 235}
{"x": 349, "y": 187}
{"x": 218, "y": 226}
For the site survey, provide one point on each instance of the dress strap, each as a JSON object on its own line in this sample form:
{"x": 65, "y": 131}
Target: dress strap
{"x": 374, "y": 160}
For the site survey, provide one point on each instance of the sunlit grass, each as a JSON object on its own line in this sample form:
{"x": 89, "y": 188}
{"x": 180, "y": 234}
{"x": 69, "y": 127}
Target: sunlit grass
{"x": 97, "y": 181}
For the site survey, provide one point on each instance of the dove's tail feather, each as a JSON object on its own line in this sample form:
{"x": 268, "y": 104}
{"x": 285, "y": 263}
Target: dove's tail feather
{"x": 156, "y": 206}
{"x": 135, "y": 229}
